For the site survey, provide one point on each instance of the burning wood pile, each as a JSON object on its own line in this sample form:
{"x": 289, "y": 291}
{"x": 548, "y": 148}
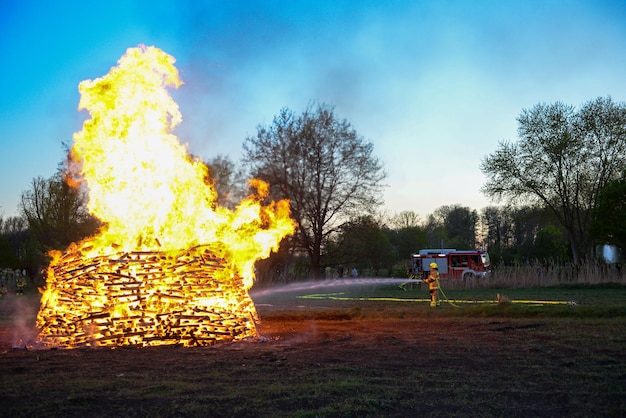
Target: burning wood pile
{"x": 145, "y": 299}
{"x": 113, "y": 288}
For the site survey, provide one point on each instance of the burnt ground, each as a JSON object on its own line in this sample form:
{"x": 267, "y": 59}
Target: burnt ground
{"x": 336, "y": 363}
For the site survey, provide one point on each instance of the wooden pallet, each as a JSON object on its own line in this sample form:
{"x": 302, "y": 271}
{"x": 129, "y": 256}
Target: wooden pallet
{"x": 144, "y": 298}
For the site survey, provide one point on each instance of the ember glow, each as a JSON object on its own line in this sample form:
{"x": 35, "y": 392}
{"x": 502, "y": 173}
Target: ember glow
{"x": 170, "y": 266}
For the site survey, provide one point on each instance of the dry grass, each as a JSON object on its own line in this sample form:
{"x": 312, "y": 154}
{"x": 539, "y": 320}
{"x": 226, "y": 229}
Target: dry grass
{"x": 526, "y": 276}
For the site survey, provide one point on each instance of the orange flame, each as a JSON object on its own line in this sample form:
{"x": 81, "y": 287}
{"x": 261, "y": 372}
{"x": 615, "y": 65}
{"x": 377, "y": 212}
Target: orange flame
{"x": 144, "y": 186}
{"x": 142, "y": 181}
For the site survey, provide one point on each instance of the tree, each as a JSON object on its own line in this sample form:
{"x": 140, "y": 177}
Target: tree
{"x": 56, "y": 213}
{"x": 14, "y": 240}
{"x": 405, "y": 219}
{"x": 522, "y": 233}
{"x": 363, "y": 244}
{"x": 453, "y": 227}
{"x": 460, "y": 223}
{"x": 550, "y": 245}
{"x": 561, "y": 161}
{"x": 323, "y": 167}
{"x": 609, "y": 215}
{"x": 409, "y": 240}
{"x": 228, "y": 182}
{"x": 497, "y": 231}
{"x": 406, "y": 235}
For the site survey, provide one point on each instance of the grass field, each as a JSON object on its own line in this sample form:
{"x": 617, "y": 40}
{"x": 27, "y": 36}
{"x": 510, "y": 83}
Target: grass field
{"x": 582, "y": 301}
{"x": 342, "y": 349}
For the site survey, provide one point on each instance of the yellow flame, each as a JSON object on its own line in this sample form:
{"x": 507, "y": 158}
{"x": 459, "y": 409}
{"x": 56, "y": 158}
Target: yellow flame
{"x": 142, "y": 183}
{"x": 155, "y": 273}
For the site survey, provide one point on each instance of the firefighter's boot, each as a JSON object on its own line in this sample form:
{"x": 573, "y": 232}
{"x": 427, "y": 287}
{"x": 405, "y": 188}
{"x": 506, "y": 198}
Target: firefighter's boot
{"x": 433, "y": 298}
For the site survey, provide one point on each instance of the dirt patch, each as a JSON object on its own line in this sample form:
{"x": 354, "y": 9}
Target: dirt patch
{"x": 335, "y": 367}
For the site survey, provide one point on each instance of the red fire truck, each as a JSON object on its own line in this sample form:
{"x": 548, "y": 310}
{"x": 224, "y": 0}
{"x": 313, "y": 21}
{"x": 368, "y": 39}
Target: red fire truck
{"x": 452, "y": 264}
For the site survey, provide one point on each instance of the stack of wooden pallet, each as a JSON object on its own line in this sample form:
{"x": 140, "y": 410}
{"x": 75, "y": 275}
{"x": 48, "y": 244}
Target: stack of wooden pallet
{"x": 144, "y": 299}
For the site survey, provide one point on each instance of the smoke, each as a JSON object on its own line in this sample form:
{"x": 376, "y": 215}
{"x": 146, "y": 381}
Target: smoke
{"x": 20, "y": 314}
{"x": 305, "y": 335}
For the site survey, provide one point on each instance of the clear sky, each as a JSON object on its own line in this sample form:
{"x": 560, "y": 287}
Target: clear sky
{"x": 434, "y": 85}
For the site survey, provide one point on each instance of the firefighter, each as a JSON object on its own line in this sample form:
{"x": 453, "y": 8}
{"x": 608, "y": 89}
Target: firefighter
{"x": 3, "y": 284}
{"x": 433, "y": 285}
{"x": 20, "y": 282}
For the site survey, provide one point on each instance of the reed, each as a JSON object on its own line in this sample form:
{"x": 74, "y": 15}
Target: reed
{"x": 547, "y": 274}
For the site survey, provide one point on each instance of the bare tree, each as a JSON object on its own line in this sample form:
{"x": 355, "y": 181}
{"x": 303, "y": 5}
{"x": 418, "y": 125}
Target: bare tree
{"x": 322, "y": 166}
{"x": 56, "y": 212}
{"x": 227, "y": 180}
{"x": 563, "y": 158}
{"x": 405, "y": 219}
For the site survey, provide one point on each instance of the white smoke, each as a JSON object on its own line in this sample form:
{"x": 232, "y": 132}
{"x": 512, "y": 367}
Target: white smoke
{"x": 19, "y": 313}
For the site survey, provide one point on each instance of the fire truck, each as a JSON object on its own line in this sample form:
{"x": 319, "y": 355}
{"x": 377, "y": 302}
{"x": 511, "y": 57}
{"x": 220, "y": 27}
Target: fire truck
{"x": 452, "y": 263}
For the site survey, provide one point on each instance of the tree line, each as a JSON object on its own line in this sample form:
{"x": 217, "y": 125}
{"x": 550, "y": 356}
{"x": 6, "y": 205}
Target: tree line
{"x": 561, "y": 186}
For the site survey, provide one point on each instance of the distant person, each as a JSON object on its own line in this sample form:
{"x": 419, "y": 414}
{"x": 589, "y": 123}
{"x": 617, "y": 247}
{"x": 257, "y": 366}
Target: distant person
{"x": 4, "y": 289}
{"x": 433, "y": 284}
{"x": 354, "y": 273}
{"x": 20, "y": 283}
{"x": 328, "y": 273}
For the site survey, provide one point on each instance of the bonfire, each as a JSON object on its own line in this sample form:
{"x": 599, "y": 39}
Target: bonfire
{"x": 169, "y": 266}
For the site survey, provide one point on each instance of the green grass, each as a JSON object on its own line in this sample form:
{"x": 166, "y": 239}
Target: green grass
{"x": 385, "y": 300}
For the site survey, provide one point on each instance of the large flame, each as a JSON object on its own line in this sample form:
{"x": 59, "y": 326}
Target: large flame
{"x": 142, "y": 182}
{"x": 149, "y": 193}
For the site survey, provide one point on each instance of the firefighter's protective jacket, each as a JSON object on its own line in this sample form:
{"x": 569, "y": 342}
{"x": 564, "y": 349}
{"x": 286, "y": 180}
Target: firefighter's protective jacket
{"x": 432, "y": 279}
{"x": 20, "y": 281}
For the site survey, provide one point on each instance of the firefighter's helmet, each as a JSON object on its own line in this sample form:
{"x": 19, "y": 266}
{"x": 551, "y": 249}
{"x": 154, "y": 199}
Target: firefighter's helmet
{"x": 433, "y": 265}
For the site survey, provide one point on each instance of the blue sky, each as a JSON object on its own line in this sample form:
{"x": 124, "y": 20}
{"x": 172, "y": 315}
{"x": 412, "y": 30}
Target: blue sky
{"x": 434, "y": 85}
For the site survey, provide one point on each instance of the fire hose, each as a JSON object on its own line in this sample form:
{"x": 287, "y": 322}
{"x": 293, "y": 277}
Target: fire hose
{"x": 444, "y": 294}
{"x": 412, "y": 278}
